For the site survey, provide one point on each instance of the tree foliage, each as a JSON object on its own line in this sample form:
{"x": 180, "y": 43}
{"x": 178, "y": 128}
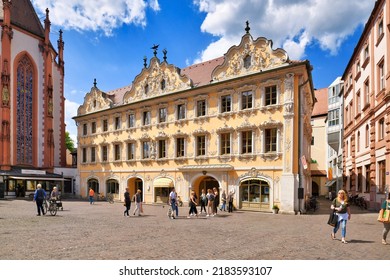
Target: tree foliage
{"x": 69, "y": 142}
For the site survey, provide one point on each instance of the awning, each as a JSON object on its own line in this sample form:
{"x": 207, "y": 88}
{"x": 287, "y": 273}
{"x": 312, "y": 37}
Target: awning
{"x": 319, "y": 173}
{"x": 38, "y": 178}
{"x": 163, "y": 183}
{"x": 330, "y": 183}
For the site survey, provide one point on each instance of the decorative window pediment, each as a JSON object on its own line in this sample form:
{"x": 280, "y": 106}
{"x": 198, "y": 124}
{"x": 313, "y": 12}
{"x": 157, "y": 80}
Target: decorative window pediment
{"x": 270, "y": 124}
{"x": 161, "y": 135}
{"x": 246, "y": 126}
{"x": 145, "y": 137}
{"x": 225, "y": 129}
{"x": 179, "y": 134}
{"x": 248, "y": 57}
{"x": 200, "y": 131}
{"x": 159, "y": 78}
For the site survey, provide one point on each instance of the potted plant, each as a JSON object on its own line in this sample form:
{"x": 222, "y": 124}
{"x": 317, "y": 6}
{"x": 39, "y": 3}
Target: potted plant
{"x": 275, "y": 209}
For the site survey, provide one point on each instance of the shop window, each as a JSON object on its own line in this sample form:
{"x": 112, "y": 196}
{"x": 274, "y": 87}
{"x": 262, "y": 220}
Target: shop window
{"x": 254, "y": 191}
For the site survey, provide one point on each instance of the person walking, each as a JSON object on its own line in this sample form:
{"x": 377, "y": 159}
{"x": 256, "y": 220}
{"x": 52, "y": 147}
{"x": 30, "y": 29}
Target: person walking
{"x": 230, "y": 201}
{"x": 193, "y": 203}
{"x": 178, "y": 203}
{"x": 127, "y": 202}
{"x": 210, "y": 203}
{"x": 91, "y": 196}
{"x": 223, "y": 199}
{"x": 341, "y": 206}
{"x": 173, "y": 203}
{"x": 138, "y": 203}
{"x": 203, "y": 201}
{"x": 216, "y": 201}
{"x": 386, "y": 226}
{"x": 39, "y": 197}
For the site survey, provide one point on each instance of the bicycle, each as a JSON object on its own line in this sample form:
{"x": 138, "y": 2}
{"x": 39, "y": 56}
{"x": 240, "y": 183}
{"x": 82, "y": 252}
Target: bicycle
{"x": 50, "y": 206}
{"x": 109, "y": 198}
{"x": 312, "y": 204}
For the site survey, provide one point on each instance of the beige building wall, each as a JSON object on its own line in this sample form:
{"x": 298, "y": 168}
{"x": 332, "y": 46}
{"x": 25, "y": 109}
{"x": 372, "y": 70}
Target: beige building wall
{"x": 319, "y": 156}
{"x": 233, "y": 126}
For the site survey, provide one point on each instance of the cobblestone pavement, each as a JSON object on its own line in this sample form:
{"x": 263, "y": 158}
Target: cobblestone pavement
{"x": 100, "y": 232}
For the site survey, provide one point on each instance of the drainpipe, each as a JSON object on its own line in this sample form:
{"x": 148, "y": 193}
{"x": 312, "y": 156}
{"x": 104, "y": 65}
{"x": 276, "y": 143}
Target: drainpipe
{"x": 300, "y": 141}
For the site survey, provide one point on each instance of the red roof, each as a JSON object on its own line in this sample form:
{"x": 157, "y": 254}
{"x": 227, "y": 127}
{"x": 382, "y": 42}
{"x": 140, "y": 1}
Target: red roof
{"x": 200, "y": 73}
{"x": 321, "y": 106}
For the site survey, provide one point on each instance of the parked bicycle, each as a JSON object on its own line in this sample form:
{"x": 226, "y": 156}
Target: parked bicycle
{"x": 361, "y": 202}
{"x": 312, "y": 204}
{"x": 50, "y": 206}
{"x": 109, "y": 197}
{"x": 352, "y": 199}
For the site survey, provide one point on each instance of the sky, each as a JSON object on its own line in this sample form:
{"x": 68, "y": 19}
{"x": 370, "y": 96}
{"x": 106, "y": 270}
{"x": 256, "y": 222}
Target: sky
{"x": 107, "y": 40}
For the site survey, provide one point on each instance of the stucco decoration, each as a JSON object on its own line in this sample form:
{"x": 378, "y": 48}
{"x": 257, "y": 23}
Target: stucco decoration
{"x": 250, "y": 57}
{"x": 157, "y": 79}
{"x": 95, "y": 100}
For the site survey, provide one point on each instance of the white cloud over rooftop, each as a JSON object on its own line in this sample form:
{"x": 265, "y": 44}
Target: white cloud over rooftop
{"x": 292, "y": 25}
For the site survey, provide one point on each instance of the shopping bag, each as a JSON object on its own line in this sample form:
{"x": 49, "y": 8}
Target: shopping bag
{"x": 333, "y": 218}
{"x": 384, "y": 216}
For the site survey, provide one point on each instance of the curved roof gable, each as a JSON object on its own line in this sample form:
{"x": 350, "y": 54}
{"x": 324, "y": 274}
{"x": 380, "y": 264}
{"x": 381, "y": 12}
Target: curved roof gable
{"x": 94, "y": 101}
{"x": 157, "y": 79}
{"x": 250, "y": 57}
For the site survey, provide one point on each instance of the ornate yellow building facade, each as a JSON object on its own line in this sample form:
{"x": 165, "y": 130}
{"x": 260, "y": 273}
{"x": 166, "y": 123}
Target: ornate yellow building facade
{"x": 233, "y": 123}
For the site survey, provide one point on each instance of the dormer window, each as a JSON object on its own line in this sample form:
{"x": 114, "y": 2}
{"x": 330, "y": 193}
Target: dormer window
{"x": 247, "y": 62}
{"x": 162, "y": 84}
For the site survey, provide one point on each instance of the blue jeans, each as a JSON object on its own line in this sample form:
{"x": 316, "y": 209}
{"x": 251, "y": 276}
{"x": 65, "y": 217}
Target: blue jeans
{"x": 90, "y": 199}
{"x": 343, "y": 228}
{"x": 174, "y": 207}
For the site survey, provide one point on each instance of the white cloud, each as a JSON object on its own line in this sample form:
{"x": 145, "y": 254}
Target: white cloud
{"x": 70, "y": 112}
{"x": 96, "y": 15}
{"x": 292, "y": 24}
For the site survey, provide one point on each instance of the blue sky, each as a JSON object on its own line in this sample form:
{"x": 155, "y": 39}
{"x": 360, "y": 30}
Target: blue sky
{"x": 107, "y": 40}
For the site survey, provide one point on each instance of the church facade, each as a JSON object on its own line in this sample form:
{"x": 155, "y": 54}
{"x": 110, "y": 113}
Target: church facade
{"x": 239, "y": 123}
{"x": 32, "y": 128}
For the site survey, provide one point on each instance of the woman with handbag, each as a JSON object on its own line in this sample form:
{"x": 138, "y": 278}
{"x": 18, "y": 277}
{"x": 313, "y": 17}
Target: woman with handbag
{"x": 386, "y": 225}
{"x": 341, "y": 206}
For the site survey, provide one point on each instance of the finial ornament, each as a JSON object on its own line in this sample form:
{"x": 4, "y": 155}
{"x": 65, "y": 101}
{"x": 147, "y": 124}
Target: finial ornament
{"x": 165, "y": 54}
{"x": 145, "y": 64}
{"x": 155, "y": 47}
{"x": 247, "y": 27}
{"x": 94, "y": 82}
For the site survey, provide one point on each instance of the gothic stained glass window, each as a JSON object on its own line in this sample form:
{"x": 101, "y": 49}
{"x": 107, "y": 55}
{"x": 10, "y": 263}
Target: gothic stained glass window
{"x": 24, "y": 112}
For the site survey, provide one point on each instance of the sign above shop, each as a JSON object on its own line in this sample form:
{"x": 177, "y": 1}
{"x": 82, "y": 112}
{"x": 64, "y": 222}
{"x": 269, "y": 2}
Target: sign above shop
{"x": 35, "y": 172}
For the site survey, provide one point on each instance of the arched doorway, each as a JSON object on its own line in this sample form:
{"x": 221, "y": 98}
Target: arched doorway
{"x": 254, "y": 194}
{"x": 135, "y": 184}
{"x": 112, "y": 187}
{"x": 93, "y": 184}
{"x": 205, "y": 182}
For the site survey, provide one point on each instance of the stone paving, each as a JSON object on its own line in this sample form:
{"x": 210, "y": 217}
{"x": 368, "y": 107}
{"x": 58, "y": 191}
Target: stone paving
{"x": 100, "y": 232}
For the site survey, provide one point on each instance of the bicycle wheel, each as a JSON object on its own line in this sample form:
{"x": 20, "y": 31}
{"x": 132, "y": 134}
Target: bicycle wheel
{"x": 110, "y": 198}
{"x": 45, "y": 206}
{"x": 53, "y": 209}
